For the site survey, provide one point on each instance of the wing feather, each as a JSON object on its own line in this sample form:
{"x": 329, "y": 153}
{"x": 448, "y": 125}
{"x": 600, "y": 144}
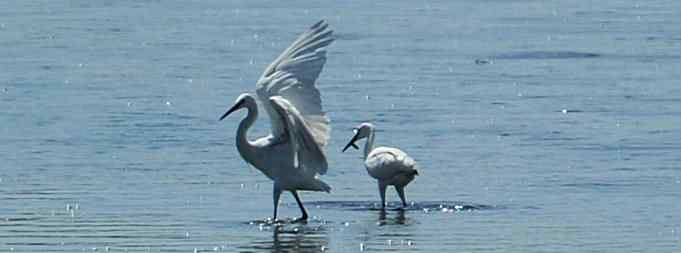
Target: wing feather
{"x": 314, "y": 38}
{"x": 308, "y": 155}
{"x": 292, "y": 76}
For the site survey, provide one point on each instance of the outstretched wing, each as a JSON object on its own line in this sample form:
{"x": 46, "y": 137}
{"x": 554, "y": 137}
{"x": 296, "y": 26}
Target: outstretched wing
{"x": 308, "y": 155}
{"x": 292, "y": 76}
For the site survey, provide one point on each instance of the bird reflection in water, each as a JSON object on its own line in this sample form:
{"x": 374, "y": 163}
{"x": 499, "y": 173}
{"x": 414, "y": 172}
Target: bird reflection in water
{"x": 399, "y": 218}
{"x": 292, "y": 238}
{"x": 391, "y": 232}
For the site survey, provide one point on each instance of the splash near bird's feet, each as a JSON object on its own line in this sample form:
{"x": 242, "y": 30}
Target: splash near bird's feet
{"x": 302, "y": 220}
{"x": 283, "y": 221}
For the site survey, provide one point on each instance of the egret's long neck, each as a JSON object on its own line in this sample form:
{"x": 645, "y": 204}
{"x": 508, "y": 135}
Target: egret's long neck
{"x": 369, "y": 145}
{"x": 245, "y": 147}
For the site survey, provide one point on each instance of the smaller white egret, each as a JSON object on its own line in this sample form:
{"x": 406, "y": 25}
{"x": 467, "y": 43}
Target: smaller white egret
{"x": 390, "y": 166}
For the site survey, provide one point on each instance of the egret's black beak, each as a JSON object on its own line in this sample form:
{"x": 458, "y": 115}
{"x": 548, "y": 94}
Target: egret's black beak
{"x": 352, "y": 142}
{"x": 234, "y": 108}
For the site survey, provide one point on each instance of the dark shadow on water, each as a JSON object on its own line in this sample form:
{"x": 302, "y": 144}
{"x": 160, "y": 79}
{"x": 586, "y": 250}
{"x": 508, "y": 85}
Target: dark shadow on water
{"x": 268, "y": 222}
{"x": 425, "y": 206}
{"x": 545, "y": 55}
{"x": 291, "y": 237}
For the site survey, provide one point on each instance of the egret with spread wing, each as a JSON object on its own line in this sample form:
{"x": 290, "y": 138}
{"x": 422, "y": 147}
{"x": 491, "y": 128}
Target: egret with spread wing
{"x": 390, "y": 166}
{"x": 293, "y": 155}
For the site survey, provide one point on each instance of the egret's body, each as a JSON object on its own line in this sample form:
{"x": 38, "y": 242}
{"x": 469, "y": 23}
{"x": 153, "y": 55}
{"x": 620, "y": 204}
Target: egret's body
{"x": 293, "y": 155}
{"x": 390, "y": 166}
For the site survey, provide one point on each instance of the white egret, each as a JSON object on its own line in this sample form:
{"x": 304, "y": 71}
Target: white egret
{"x": 293, "y": 155}
{"x": 390, "y": 166}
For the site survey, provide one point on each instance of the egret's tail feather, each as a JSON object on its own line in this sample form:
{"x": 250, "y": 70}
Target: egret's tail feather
{"x": 321, "y": 186}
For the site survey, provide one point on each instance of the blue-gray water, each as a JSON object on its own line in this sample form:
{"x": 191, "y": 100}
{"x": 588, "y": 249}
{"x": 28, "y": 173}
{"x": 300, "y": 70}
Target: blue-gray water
{"x": 555, "y": 126}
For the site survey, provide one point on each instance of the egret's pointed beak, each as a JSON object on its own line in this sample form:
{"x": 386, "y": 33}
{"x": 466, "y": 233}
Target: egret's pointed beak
{"x": 352, "y": 142}
{"x": 234, "y": 108}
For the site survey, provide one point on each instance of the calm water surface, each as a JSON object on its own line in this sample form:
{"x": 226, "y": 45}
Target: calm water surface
{"x": 540, "y": 126}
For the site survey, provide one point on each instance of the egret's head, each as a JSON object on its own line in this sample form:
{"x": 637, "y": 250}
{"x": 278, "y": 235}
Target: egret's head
{"x": 242, "y": 101}
{"x": 362, "y": 131}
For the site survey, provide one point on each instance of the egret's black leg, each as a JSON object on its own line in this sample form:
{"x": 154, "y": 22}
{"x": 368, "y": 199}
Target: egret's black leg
{"x": 276, "y": 193}
{"x": 400, "y": 191}
{"x": 381, "y": 191}
{"x": 302, "y": 208}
